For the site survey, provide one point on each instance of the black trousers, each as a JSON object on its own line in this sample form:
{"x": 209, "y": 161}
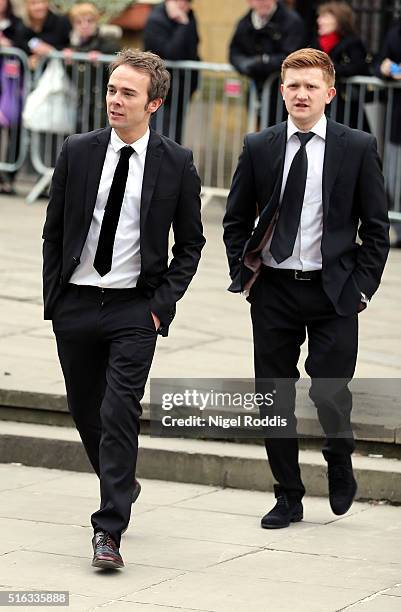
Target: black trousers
{"x": 283, "y": 310}
{"x": 106, "y": 341}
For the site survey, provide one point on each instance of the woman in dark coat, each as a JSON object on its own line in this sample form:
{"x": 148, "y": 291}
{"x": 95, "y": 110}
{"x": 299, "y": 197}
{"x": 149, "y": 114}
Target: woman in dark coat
{"x": 336, "y": 36}
{"x": 42, "y": 31}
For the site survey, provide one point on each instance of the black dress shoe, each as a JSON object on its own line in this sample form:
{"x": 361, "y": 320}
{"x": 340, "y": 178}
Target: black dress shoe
{"x": 105, "y": 552}
{"x": 287, "y": 510}
{"x": 135, "y": 495}
{"x": 137, "y": 490}
{"x": 342, "y": 487}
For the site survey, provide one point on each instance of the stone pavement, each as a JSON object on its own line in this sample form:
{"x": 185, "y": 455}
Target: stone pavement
{"x": 193, "y": 547}
{"x": 189, "y": 547}
{"x": 210, "y": 337}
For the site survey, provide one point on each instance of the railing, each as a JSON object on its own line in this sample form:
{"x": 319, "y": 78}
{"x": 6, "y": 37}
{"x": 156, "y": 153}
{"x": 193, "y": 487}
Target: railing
{"x": 15, "y": 85}
{"x": 211, "y": 118}
{"x": 209, "y": 109}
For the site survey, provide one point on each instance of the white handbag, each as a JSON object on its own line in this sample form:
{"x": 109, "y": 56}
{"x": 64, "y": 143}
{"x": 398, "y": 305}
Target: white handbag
{"x": 51, "y": 106}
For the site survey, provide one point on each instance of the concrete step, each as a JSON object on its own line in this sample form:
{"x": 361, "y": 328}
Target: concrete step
{"x": 225, "y": 464}
{"x": 376, "y": 418}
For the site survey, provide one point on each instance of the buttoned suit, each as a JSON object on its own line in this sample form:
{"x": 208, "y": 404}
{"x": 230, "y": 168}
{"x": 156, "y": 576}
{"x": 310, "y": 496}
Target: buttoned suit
{"x": 106, "y": 340}
{"x": 354, "y": 205}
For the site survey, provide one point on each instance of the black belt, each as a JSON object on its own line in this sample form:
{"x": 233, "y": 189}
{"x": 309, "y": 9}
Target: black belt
{"x": 298, "y": 275}
{"x": 91, "y": 291}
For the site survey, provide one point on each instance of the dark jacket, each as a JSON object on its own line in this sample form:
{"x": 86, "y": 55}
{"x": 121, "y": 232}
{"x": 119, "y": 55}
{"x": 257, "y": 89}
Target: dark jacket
{"x": 10, "y": 31}
{"x": 108, "y": 45}
{"x": 354, "y": 203}
{"x": 55, "y": 32}
{"x": 392, "y": 50}
{"x": 170, "y": 198}
{"x": 283, "y": 34}
{"x": 349, "y": 57}
{"x": 173, "y": 41}
{"x": 169, "y": 39}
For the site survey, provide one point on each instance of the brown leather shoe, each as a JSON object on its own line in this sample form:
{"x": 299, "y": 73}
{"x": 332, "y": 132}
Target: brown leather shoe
{"x": 106, "y": 554}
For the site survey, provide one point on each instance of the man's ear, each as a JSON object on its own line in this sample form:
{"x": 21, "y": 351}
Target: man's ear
{"x": 282, "y": 90}
{"x": 154, "y": 105}
{"x": 332, "y": 92}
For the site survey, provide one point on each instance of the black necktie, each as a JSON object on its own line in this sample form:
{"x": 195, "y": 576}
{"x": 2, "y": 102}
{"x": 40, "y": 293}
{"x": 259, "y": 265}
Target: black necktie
{"x": 285, "y": 232}
{"x": 104, "y": 251}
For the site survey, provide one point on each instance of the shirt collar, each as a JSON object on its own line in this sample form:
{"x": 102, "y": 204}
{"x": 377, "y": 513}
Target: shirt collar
{"x": 319, "y": 128}
{"x": 139, "y": 145}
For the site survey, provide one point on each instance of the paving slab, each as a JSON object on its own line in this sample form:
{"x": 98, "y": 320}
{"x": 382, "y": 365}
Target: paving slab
{"x": 348, "y": 537}
{"x": 223, "y": 594}
{"x": 380, "y": 603}
{"x": 185, "y": 549}
{"x": 308, "y": 569}
{"x": 66, "y": 572}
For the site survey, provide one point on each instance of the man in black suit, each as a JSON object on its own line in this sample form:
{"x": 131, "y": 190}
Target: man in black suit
{"x": 312, "y": 185}
{"x": 107, "y": 283}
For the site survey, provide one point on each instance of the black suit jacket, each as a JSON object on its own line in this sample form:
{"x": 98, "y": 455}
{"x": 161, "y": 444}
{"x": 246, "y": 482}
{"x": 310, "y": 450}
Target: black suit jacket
{"x": 170, "y": 198}
{"x": 354, "y": 202}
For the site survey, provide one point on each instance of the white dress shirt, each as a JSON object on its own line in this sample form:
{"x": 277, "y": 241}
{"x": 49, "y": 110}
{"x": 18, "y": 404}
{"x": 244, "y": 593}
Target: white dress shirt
{"x": 126, "y": 263}
{"x": 307, "y": 253}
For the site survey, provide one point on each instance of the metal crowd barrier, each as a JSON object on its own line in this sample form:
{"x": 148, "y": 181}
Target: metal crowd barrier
{"x": 209, "y": 109}
{"x": 15, "y": 84}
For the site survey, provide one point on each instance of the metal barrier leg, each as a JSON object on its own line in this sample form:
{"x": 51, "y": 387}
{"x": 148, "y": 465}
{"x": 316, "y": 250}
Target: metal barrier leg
{"x": 208, "y": 193}
{"x": 42, "y": 183}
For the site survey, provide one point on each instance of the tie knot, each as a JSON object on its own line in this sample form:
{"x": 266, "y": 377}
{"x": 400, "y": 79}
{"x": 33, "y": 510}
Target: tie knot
{"x": 126, "y": 152}
{"x": 305, "y": 137}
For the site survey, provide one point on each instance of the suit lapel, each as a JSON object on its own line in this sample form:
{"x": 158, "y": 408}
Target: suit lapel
{"x": 276, "y": 154}
{"x": 273, "y": 157}
{"x": 336, "y": 142}
{"x": 153, "y": 162}
{"x": 97, "y": 154}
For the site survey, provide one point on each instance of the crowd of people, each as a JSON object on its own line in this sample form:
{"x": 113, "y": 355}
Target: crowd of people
{"x": 263, "y": 37}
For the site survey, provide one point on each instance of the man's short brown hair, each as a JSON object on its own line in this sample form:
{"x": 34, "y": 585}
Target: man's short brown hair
{"x": 150, "y": 64}
{"x": 310, "y": 58}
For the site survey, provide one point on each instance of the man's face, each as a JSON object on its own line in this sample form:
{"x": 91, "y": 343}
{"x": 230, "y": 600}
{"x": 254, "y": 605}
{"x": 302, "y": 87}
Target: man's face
{"x": 127, "y": 102}
{"x": 37, "y": 9}
{"x": 182, "y": 5}
{"x": 306, "y": 93}
{"x": 326, "y": 24}
{"x": 262, "y": 7}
